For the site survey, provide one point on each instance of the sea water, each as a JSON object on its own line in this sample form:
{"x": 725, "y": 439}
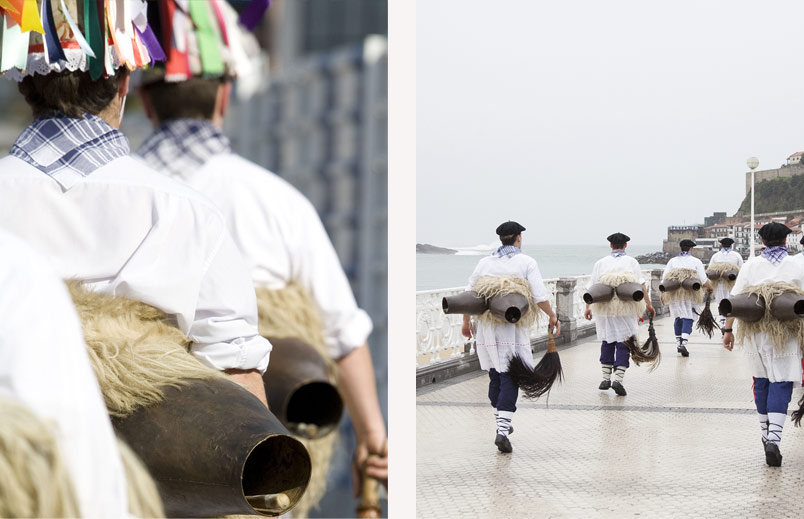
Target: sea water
{"x": 434, "y": 271}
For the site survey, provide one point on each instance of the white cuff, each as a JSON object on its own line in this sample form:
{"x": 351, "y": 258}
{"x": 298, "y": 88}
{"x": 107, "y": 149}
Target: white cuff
{"x": 242, "y": 353}
{"x": 353, "y": 334}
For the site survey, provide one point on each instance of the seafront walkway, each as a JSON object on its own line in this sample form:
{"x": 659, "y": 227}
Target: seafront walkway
{"x": 684, "y": 442}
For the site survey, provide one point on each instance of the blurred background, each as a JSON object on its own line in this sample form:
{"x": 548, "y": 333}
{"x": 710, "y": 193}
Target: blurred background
{"x": 316, "y": 115}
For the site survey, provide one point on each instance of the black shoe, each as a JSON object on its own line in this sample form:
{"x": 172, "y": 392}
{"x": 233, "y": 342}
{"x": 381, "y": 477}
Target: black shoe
{"x": 683, "y": 350}
{"x": 503, "y": 444}
{"x": 618, "y": 388}
{"x": 606, "y": 384}
{"x": 772, "y": 455}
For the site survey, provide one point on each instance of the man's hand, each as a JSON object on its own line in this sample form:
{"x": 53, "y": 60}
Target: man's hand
{"x": 708, "y": 286}
{"x": 661, "y": 297}
{"x": 587, "y": 314}
{"x": 554, "y": 322}
{"x": 467, "y": 330}
{"x": 371, "y": 461}
{"x": 728, "y": 340}
{"x": 251, "y": 380}
{"x": 650, "y": 310}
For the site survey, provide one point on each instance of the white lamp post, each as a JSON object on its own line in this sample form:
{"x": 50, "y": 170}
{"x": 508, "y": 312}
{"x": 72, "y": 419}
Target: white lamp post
{"x": 752, "y": 163}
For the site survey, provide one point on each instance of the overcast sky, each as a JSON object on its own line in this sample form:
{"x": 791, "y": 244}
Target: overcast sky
{"x": 582, "y": 118}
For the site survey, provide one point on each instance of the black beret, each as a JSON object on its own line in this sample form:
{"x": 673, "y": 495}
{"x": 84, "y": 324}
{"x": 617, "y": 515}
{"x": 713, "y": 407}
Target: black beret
{"x": 727, "y": 242}
{"x": 801, "y": 241}
{"x": 509, "y": 228}
{"x": 774, "y": 231}
{"x": 618, "y": 237}
{"x": 687, "y": 243}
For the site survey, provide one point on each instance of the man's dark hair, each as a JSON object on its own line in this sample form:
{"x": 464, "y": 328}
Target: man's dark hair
{"x": 191, "y": 99}
{"x": 685, "y": 248}
{"x": 618, "y": 245}
{"x": 508, "y": 239}
{"x": 72, "y": 93}
{"x": 775, "y": 243}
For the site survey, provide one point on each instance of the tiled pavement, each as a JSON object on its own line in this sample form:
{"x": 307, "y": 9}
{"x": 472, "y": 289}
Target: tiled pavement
{"x": 684, "y": 442}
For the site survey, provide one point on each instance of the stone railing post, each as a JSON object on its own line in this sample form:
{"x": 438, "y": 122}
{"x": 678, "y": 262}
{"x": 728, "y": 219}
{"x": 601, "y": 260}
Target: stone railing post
{"x": 565, "y": 308}
{"x": 655, "y": 281}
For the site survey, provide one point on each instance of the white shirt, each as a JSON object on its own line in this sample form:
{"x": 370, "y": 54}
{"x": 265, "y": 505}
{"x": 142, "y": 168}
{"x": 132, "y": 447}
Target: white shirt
{"x": 686, "y": 262}
{"x": 764, "y": 360}
{"x": 758, "y": 270}
{"x": 44, "y": 364}
{"x": 282, "y": 239}
{"x": 518, "y": 265}
{"x": 727, "y": 257}
{"x": 616, "y": 328}
{"x": 619, "y": 264}
{"x": 127, "y": 230}
{"x": 497, "y": 343}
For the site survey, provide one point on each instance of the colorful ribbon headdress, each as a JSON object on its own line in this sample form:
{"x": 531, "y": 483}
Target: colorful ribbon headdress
{"x": 99, "y": 36}
{"x": 205, "y": 39}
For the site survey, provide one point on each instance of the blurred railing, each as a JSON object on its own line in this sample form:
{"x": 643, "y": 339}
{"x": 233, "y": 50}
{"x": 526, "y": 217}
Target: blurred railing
{"x": 322, "y": 126}
{"x": 439, "y": 339}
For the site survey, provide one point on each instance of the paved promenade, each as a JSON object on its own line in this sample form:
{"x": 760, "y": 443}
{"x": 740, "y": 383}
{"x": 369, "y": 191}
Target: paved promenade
{"x": 684, "y": 442}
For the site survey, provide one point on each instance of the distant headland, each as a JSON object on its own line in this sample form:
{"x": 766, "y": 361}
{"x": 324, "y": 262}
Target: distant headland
{"x": 426, "y": 248}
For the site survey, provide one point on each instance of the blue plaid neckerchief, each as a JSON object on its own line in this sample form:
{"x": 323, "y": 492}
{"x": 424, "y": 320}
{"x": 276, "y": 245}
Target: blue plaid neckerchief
{"x": 725, "y": 250}
{"x": 181, "y": 146}
{"x": 507, "y": 250}
{"x": 68, "y": 149}
{"x": 775, "y": 254}
{"x": 684, "y": 253}
{"x": 617, "y": 253}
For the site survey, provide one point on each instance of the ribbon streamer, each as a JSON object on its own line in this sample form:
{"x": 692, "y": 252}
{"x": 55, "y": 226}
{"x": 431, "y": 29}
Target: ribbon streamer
{"x": 84, "y": 44}
{"x": 30, "y": 17}
{"x": 14, "y": 51}
{"x": 151, "y": 44}
{"x": 95, "y": 39}
{"x": 208, "y": 42}
{"x": 53, "y": 51}
{"x": 14, "y": 9}
{"x": 119, "y": 20}
{"x": 253, "y": 13}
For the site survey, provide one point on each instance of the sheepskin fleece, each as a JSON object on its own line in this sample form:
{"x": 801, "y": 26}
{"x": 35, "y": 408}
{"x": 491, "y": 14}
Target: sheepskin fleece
{"x": 491, "y": 286}
{"x": 292, "y": 313}
{"x": 143, "y": 498}
{"x": 134, "y": 351}
{"x": 721, "y": 268}
{"x": 682, "y": 294}
{"x": 778, "y": 331}
{"x": 34, "y": 481}
{"x": 616, "y": 306}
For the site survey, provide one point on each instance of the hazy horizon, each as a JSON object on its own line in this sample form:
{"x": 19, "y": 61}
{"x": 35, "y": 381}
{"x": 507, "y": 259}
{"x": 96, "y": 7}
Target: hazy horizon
{"x": 579, "y": 119}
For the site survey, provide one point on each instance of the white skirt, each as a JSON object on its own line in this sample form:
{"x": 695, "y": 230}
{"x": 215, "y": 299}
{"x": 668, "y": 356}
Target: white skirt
{"x": 497, "y": 343}
{"x": 776, "y": 366}
{"x": 683, "y": 309}
{"x": 616, "y": 328}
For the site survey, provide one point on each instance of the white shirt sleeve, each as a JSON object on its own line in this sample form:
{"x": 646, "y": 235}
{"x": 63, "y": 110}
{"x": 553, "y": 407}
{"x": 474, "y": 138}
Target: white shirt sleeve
{"x": 475, "y": 274}
{"x": 595, "y": 274}
{"x": 44, "y": 364}
{"x": 701, "y": 271}
{"x": 345, "y": 325}
{"x": 742, "y": 280}
{"x": 224, "y": 330}
{"x": 667, "y": 268}
{"x": 537, "y": 287}
{"x": 637, "y": 268}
